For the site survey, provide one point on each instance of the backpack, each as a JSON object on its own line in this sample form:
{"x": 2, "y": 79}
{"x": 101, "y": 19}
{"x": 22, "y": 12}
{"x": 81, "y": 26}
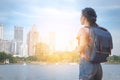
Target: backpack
{"x": 101, "y": 44}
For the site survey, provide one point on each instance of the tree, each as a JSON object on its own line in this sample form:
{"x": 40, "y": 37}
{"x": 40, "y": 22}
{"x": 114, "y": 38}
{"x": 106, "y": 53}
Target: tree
{"x": 41, "y": 50}
{"x": 114, "y": 59}
{"x": 3, "y": 57}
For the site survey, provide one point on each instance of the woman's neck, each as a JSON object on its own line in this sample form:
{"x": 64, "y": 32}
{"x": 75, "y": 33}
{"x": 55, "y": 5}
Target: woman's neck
{"x": 87, "y": 23}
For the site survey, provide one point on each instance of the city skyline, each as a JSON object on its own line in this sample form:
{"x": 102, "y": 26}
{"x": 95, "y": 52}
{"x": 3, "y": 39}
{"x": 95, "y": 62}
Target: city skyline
{"x": 61, "y": 17}
{"x": 51, "y": 39}
{"x": 16, "y": 46}
{"x": 12, "y": 46}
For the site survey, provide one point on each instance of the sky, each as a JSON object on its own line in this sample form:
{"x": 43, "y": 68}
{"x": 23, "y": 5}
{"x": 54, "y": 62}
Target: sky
{"x": 59, "y": 16}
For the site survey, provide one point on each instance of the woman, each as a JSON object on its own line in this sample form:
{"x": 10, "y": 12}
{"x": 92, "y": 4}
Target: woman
{"x": 88, "y": 70}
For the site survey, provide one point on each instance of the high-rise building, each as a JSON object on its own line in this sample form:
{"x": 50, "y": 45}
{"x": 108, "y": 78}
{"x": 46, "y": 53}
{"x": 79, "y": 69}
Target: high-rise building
{"x": 23, "y": 50}
{"x": 18, "y": 33}
{"x": 18, "y": 40}
{"x": 13, "y": 47}
{"x": 5, "y": 45}
{"x": 32, "y": 40}
{"x": 1, "y": 31}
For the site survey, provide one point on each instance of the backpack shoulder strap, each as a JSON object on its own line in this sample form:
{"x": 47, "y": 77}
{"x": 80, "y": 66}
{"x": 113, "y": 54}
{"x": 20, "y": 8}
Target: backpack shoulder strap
{"x": 102, "y": 28}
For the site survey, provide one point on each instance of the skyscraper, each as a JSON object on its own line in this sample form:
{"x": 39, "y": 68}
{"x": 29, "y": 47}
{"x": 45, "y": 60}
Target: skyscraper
{"x": 24, "y": 50}
{"x": 18, "y": 40}
{"x": 18, "y": 33}
{"x": 32, "y": 40}
{"x": 5, "y": 45}
{"x": 1, "y": 31}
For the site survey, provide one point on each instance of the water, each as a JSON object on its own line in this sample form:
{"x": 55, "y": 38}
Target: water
{"x": 52, "y": 72}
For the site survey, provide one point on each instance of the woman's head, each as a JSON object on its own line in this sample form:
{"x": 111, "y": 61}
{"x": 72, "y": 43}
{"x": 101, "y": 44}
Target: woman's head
{"x": 88, "y": 16}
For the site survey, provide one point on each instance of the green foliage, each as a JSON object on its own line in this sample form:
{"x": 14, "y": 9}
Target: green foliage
{"x": 56, "y": 57}
{"x": 31, "y": 58}
{"x": 41, "y": 50}
{"x": 4, "y": 56}
{"x": 61, "y": 57}
{"x": 114, "y": 59}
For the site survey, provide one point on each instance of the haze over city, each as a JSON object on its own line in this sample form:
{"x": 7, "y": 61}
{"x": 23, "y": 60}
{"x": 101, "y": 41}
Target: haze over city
{"x": 61, "y": 17}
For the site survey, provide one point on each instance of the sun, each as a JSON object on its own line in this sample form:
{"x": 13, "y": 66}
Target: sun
{"x": 59, "y": 39}
{"x": 63, "y": 40}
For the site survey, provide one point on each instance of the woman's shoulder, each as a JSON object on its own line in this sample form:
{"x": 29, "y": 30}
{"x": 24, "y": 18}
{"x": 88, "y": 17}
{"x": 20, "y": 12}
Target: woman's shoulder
{"x": 84, "y": 30}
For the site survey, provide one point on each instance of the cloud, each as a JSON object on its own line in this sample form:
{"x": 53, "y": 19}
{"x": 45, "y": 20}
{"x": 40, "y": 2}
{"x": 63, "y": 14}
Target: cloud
{"x": 110, "y": 7}
{"x": 52, "y": 19}
{"x": 2, "y": 19}
{"x": 47, "y": 18}
{"x": 58, "y": 15}
{"x": 99, "y": 4}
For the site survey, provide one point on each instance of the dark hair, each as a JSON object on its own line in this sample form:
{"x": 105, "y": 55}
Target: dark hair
{"x": 90, "y": 14}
